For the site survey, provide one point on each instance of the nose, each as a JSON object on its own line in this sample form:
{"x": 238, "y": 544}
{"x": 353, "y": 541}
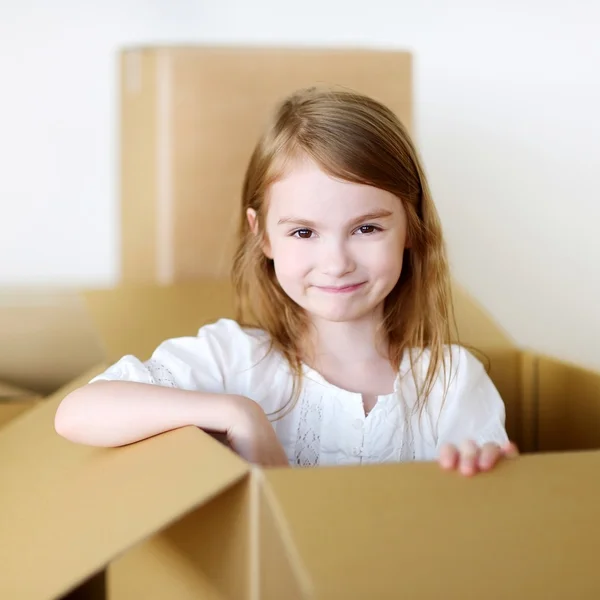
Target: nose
{"x": 336, "y": 260}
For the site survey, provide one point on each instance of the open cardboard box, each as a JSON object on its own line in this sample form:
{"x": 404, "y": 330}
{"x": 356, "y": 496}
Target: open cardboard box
{"x": 180, "y": 516}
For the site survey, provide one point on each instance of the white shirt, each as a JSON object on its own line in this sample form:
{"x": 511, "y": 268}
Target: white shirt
{"x": 328, "y": 425}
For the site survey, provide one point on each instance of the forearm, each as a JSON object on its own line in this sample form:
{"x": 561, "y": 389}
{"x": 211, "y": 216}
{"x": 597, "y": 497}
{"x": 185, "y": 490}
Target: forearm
{"x": 115, "y": 413}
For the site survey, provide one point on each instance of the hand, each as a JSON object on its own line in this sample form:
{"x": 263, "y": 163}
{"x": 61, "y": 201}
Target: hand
{"x": 470, "y": 458}
{"x": 252, "y": 436}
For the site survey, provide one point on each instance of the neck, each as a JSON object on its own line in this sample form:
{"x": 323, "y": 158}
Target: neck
{"x": 346, "y": 342}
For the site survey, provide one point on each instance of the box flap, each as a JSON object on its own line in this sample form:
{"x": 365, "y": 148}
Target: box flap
{"x": 14, "y": 401}
{"x": 524, "y": 530}
{"x": 69, "y": 509}
{"x": 46, "y": 338}
{"x": 128, "y": 317}
{"x": 8, "y": 392}
{"x": 569, "y": 406}
{"x": 475, "y": 325}
{"x": 205, "y": 555}
{"x": 278, "y": 568}
{"x": 134, "y": 319}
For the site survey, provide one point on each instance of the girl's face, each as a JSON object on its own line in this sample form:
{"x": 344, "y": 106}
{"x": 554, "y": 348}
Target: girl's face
{"x": 337, "y": 247}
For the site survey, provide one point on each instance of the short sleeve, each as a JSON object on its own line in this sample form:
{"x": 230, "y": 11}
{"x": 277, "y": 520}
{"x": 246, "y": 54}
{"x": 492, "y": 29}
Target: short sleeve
{"x": 473, "y": 409}
{"x": 201, "y": 363}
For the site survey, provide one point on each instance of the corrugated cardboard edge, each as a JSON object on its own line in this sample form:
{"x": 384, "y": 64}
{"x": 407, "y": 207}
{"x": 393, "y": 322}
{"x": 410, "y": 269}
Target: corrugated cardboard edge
{"x": 528, "y": 413}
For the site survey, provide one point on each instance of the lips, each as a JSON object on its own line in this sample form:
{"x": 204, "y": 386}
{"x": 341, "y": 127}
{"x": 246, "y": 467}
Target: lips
{"x": 340, "y": 289}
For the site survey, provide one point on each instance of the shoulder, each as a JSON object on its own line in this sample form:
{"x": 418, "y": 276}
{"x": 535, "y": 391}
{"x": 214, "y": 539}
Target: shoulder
{"x": 227, "y": 329}
{"x": 465, "y": 388}
{"x": 230, "y": 338}
{"x": 224, "y": 342}
{"x": 220, "y": 356}
{"x": 456, "y": 366}
{"x": 463, "y": 403}
{"x": 459, "y": 377}
{"x": 462, "y": 366}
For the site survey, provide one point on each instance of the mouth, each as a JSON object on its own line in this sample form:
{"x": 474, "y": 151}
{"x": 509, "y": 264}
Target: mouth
{"x": 343, "y": 289}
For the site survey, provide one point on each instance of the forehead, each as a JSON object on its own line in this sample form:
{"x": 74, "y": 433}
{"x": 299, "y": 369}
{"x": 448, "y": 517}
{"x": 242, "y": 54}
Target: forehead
{"x": 305, "y": 190}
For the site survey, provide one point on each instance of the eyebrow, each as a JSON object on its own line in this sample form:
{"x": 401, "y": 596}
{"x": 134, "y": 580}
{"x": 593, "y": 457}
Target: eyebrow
{"x": 378, "y": 214}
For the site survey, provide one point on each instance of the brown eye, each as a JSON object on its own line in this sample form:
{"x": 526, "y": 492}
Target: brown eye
{"x": 304, "y": 234}
{"x": 367, "y": 228}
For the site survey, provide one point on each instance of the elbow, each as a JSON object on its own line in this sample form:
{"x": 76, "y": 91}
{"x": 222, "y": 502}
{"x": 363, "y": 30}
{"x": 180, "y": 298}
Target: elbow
{"x": 81, "y": 419}
{"x": 71, "y": 420}
{"x": 66, "y": 419}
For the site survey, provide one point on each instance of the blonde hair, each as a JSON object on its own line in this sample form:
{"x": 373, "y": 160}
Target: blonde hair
{"x": 357, "y": 139}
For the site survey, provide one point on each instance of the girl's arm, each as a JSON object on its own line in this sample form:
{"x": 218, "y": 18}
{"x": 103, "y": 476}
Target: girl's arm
{"x": 115, "y": 413}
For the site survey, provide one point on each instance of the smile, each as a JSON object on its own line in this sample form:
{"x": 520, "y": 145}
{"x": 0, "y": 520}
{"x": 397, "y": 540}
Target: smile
{"x": 345, "y": 289}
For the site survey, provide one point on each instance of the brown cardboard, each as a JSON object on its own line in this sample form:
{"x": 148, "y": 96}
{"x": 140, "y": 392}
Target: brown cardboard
{"x": 524, "y": 531}
{"x": 69, "y": 509}
{"x": 569, "y": 406}
{"x": 180, "y": 516}
{"x": 46, "y": 338}
{"x": 190, "y": 117}
{"x": 15, "y": 401}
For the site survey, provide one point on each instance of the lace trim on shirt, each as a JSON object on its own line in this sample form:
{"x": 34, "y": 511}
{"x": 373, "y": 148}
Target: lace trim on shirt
{"x": 308, "y": 440}
{"x": 159, "y": 374}
{"x": 407, "y": 446}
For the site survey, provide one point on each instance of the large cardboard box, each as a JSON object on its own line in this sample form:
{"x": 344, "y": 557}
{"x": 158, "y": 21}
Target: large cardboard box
{"x": 179, "y": 516}
{"x": 182, "y": 517}
{"x": 190, "y": 117}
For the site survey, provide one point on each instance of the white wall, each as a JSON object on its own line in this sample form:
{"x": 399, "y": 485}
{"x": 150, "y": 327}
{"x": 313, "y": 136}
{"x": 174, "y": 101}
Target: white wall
{"x": 507, "y": 96}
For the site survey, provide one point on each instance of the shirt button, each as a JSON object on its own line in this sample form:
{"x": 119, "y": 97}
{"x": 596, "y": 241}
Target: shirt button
{"x": 358, "y": 424}
{"x": 355, "y": 451}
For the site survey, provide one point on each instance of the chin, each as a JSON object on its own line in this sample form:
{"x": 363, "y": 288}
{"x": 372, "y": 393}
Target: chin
{"x": 339, "y": 315}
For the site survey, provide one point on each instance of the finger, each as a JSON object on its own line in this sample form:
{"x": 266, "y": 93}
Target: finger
{"x": 469, "y": 453}
{"x": 510, "y": 450}
{"x": 448, "y": 456}
{"x": 489, "y": 456}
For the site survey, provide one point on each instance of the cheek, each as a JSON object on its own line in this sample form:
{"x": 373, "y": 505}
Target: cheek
{"x": 389, "y": 263}
{"x": 290, "y": 258}
{"x": 386, "y": 260}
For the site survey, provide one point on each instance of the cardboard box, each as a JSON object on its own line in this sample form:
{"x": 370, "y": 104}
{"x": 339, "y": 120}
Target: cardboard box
{"x": 179, "y": 516}
{"x": 190, "y": 117}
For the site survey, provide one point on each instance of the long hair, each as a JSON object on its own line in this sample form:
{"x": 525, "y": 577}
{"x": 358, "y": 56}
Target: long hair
{"x": 357, "y": 139}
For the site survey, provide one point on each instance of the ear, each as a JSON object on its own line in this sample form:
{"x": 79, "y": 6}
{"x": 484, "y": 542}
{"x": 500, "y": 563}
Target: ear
{"x": 253, "y": 224}
{"x": 252, "y": 220}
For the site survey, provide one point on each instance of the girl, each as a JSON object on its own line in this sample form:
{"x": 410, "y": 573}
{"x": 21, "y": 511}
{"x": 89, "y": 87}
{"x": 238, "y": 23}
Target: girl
{"x": 341, "y": 270}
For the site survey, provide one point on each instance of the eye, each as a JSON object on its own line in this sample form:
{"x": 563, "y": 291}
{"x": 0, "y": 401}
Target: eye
{"x": 366, "y": 229}
{"x": 304, "y": 234}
